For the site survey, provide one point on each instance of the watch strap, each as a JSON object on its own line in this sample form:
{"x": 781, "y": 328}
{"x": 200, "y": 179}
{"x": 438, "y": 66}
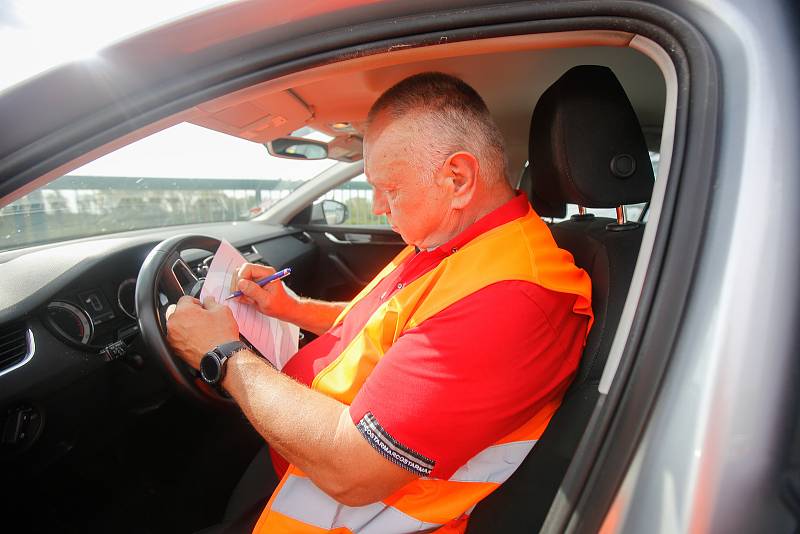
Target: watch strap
{"x": 225, "y": 350}
{"x": 251, "y": 348}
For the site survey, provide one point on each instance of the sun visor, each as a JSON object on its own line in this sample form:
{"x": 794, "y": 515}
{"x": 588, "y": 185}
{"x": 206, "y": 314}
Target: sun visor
{"x": 260, "y": 120}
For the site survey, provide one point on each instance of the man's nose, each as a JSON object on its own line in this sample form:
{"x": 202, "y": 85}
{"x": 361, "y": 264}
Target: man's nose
{"x": 379, "y": 205}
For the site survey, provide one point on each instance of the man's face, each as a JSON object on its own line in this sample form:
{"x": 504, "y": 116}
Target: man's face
{"x": 416, "y": 206}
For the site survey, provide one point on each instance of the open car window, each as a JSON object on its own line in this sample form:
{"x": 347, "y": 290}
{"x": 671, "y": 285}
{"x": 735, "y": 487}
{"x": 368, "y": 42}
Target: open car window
{"x": 348, "y": 204}
{"x": 633, "y": 212}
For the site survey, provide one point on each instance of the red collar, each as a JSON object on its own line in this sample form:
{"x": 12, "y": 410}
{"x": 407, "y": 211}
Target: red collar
{"x": 513, "y": 209}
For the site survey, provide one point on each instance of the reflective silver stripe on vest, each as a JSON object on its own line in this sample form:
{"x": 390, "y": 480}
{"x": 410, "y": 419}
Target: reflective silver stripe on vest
{"x": 302, "y": 500}
{"x": 495, "y": 463}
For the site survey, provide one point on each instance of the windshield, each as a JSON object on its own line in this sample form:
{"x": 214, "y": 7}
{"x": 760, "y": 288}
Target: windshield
{"x": 182, "y": 175}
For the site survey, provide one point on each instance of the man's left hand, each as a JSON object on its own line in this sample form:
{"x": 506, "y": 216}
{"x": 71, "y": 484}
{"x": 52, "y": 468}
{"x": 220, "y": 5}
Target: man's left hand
{"x": 194, "y": 328}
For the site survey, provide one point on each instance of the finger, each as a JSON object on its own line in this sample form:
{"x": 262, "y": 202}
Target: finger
{"x": 210, "y": 303}
{"x": 252, "y": 290}
{"x": 252, "y": 271}
{"x": 186, "y": 300}
{"x": 170, "y": 310}
{"x": 240, "y": 272}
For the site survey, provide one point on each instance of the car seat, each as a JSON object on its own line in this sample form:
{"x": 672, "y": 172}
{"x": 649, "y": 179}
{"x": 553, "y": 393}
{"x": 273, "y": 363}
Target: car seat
{"x": 586, "y": 148}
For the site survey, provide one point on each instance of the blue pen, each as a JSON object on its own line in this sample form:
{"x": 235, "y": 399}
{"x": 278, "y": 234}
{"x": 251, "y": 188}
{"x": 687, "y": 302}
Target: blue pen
{"x": 264, "y": 281}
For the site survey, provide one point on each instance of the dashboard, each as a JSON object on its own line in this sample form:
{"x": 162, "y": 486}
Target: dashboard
{"x": 65, "y": 307}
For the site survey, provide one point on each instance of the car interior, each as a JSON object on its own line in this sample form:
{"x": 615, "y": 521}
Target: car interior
{"x": 101, "y": 432}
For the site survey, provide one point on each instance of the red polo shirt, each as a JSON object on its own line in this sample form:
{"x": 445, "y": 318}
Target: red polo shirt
{"x": 470, "y": 374}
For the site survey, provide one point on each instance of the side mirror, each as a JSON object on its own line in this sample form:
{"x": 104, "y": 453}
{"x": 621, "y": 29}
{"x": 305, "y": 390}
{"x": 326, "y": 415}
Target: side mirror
{"x": 297, "y": 148}
{"x": 329, "y": 212}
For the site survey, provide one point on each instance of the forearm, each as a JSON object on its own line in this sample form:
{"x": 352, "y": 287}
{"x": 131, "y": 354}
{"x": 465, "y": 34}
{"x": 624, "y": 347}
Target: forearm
{"x": 302, "y": 425}
{"x": 316, "y": 316}
{"x": 309, "y": 429}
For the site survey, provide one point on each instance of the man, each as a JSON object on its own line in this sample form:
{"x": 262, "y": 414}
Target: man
{"x": 426, "y": 391}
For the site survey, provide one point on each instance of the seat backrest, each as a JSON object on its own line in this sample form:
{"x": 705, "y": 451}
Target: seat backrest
{"x": 586, "y": 148}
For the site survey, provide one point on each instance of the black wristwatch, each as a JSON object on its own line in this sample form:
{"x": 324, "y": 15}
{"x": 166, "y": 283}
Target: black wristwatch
{"x": 212, "y": 366}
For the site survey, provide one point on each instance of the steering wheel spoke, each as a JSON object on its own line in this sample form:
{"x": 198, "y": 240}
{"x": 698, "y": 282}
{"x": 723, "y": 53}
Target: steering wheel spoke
{"x": 176, "y": 278}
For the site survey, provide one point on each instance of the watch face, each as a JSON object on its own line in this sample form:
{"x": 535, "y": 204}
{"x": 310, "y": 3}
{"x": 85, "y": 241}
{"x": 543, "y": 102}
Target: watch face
{"x": 210, "y": 368}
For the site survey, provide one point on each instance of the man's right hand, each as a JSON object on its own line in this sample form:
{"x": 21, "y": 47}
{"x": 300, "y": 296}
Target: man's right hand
{"x": 273, "y": 299}
{"x": 277, "y": 300}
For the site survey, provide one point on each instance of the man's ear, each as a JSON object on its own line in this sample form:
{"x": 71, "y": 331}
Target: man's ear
{"x": 461, "y": 170}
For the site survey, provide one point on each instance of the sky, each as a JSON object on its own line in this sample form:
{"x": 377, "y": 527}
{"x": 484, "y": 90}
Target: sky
{"x": 46, "y": 33}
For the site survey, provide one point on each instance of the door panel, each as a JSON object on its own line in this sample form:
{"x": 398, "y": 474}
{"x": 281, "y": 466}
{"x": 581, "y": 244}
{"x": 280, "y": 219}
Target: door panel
{"x": 351, "y": 256}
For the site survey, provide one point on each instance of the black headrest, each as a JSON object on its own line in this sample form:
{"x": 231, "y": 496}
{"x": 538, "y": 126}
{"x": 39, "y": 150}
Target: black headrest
{"x": 586, "y": 145}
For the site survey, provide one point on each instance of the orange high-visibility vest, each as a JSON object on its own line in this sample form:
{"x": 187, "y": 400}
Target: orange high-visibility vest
{"x": 522, "y": 249}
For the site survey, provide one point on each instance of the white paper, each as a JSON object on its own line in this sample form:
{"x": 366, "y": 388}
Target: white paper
{"x": 276, "y": 340}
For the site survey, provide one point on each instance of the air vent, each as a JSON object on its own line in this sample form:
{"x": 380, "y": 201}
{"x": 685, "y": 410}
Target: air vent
{"x": 13, "y": 345}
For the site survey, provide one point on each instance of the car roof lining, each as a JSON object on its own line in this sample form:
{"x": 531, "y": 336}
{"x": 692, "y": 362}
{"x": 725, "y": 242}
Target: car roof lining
{"x": 526, "y": 65}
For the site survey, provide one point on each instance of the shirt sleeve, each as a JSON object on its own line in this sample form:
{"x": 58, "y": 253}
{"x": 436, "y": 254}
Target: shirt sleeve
{"x": 468, "y": 376}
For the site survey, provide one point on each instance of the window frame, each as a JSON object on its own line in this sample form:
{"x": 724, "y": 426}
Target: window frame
{"x": 623, "y": 414}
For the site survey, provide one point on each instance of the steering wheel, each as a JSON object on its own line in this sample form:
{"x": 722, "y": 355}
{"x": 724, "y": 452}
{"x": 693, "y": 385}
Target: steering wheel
{"x": 163, "y": 279}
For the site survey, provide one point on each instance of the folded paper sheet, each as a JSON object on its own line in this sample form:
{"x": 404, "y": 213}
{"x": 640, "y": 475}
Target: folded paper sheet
{"x": 276, "y": 340}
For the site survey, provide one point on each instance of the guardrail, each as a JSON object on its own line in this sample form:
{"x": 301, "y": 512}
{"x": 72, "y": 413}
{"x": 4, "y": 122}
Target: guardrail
{"x": 78, "y": 206}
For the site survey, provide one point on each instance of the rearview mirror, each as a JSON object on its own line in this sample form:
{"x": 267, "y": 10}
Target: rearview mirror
{"x": 297, "y": 148}
{"x": 347, "y": 148}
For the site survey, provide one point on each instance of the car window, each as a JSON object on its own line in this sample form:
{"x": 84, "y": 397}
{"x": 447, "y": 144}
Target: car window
{"x": 182, "y": 175}
{"x": 356, "y": 196}
{"x": 633, "y": 212}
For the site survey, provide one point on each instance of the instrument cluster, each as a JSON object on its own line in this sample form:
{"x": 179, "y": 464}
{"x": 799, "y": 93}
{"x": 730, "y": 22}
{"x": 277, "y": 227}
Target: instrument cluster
{"x": 94, "y": 317}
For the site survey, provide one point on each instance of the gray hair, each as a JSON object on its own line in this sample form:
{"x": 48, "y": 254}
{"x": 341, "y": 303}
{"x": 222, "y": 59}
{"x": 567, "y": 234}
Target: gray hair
{"x": 449, "y": 116}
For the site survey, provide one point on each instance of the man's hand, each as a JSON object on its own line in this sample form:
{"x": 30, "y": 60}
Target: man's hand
{"x": 277, "y": 300}
{"x": 194, "y": 329}
{"x": 274, "y": 299}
